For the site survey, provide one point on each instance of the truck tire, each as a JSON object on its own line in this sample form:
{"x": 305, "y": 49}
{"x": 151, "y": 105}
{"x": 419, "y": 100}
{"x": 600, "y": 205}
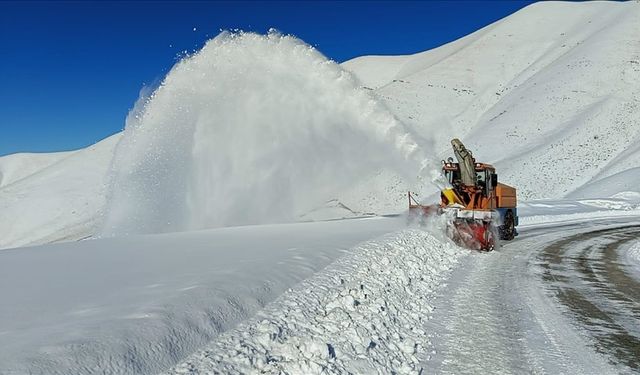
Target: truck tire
{"x": 508, "y": 229}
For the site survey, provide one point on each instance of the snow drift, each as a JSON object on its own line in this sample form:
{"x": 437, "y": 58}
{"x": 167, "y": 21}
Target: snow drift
{"x": 365, "y": 314}
{"x": 139, "y": 304}
{"x": 251, "y": 129}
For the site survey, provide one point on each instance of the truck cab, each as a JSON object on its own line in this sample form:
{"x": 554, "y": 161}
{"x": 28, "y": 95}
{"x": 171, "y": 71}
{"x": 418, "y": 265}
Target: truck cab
{"x": 487, "y": 194}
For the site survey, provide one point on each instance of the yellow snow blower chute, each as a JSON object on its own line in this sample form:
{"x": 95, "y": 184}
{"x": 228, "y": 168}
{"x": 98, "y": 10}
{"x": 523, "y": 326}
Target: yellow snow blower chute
{"x": 478, "y": 208}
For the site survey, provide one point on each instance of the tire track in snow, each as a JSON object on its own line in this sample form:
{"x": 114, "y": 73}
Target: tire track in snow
{"x": 499, "y": 317}
{"x": 479, "y": 309}
{"x": 598, "y": 292}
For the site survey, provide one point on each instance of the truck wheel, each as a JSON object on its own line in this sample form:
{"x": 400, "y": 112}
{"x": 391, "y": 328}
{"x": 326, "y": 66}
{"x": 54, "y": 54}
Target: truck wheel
{"x": 508, "y": 227}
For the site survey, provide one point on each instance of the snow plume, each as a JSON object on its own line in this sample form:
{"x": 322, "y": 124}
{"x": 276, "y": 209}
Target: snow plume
{"x": 251, "y": 129}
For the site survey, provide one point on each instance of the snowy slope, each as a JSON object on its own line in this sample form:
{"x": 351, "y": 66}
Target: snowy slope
{"x": 18, "y": 166}
{"x": 60, "y": 202}
{"x": 552, "y": 88}
{"x": 549, "y": 95}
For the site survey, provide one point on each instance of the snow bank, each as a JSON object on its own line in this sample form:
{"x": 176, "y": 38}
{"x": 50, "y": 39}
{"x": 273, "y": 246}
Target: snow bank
{"x": 139, "y": 304}
{"x": 362, "y": 315}
{"x": 624, "y": 182}
{"x": 541, "y": 212}
{"x": 634, "y": 254}
{"x": 251, "y": 129}
{"x": 632, "y": 258}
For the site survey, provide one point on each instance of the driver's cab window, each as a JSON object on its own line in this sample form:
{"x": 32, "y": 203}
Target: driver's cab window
{"x": 452, "y": 176}
{"x": 482, "y": 180}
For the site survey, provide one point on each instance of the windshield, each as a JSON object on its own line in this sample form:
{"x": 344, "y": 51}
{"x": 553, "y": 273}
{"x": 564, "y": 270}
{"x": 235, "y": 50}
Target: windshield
{"x": 481, "y": 178}
{"x": 452, "y": 176}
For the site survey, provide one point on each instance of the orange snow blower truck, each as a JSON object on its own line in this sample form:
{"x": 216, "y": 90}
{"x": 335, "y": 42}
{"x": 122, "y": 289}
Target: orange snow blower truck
{"x": 477, "y": 208}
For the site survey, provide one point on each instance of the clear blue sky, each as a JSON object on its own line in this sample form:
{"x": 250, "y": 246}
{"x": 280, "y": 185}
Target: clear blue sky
{"x": 70, "y": 71}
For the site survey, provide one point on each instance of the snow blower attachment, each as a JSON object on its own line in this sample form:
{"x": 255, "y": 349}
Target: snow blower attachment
{"x": 478, "y": 209}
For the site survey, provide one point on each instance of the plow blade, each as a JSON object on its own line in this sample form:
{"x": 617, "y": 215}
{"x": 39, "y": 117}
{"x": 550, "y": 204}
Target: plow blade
{"x": 471, "y": 229}
{"x": 474, "y": 235}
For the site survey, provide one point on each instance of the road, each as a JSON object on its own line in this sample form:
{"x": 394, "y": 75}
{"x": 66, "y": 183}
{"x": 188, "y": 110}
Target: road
{"x": 558, "y": 299}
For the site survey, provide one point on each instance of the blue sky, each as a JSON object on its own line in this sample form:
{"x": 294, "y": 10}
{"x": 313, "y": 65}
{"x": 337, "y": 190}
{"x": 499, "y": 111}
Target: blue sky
{"x": 70, "y": 71}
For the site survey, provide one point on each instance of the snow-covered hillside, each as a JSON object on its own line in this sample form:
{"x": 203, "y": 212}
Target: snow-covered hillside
{"x": 550, "y": 95}
{"x": 18, "y": 166}
{"x": 63, "y": 201}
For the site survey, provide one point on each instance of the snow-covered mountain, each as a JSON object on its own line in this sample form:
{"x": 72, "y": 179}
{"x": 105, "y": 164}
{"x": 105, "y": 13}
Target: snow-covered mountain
{"x": 15, "y": 167}
{"x": 61, "y": 198}
{"x": 550, "y": 95}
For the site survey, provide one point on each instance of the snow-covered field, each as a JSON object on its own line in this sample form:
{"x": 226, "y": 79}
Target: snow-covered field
{"x": 549, "y": 95}
{"x": 138, "y": 304}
